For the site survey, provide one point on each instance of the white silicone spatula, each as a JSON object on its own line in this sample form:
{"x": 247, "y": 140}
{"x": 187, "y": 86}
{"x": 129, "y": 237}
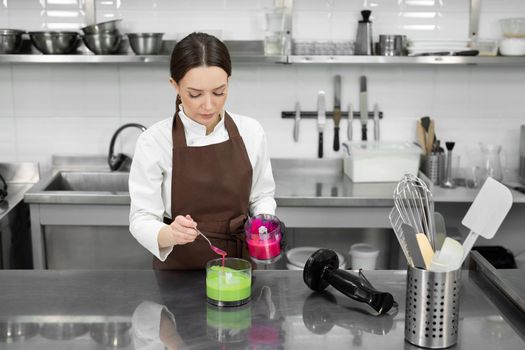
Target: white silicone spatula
{"x": 449, "y": 258}
{"x": 486, "y": 213}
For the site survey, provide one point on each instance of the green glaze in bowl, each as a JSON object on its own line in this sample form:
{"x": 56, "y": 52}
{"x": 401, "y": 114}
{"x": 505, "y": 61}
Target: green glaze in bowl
{"x": 231, "y": 285}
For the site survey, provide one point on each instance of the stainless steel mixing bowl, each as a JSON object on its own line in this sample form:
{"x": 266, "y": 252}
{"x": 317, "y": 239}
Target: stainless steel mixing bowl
{"x": 145, "y": 43}
{"x": 54, "y": 43}
{"x": 111, "y": 27}
{"x": 10, "y": 40}
{"x": 102, "y": 43}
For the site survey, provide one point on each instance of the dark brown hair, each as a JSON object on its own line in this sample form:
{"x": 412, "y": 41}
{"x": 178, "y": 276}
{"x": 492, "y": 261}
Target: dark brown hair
{"x": 197, "y": 50}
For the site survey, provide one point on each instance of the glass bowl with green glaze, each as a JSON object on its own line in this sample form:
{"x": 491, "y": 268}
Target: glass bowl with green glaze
{"x": 228, "y": 285}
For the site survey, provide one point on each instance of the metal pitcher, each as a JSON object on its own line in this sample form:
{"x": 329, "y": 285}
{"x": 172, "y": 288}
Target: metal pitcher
{"x": 363, "y": 41}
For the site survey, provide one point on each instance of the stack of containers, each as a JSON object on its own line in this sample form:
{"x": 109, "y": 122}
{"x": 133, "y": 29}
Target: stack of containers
{"x": 278, "y": 37}
{"x": 513, "y": 41}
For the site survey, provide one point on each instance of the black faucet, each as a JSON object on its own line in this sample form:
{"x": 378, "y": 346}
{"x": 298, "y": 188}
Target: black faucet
{"x": 116, "y": 161}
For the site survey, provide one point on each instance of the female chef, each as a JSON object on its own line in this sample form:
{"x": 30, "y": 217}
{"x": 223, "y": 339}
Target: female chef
{"x": 203, "y": 168}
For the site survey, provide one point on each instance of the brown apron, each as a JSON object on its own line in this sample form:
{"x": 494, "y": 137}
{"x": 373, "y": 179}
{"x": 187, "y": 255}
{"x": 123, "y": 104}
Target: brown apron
{"x": 212, "y": 184}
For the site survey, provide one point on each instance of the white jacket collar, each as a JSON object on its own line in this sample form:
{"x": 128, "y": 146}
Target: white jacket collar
{"x": 193, "y": 127}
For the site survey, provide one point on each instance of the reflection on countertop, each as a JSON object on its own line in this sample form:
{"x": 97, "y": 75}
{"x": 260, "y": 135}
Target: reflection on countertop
{"x": 150, "y": 309}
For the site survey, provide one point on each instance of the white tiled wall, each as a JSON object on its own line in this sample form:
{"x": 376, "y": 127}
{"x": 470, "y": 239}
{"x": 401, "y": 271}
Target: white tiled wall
{"x": 74, "y": 109}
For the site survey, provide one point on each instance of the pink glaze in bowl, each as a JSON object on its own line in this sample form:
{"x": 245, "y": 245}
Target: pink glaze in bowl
{"x": 263, "y": 245}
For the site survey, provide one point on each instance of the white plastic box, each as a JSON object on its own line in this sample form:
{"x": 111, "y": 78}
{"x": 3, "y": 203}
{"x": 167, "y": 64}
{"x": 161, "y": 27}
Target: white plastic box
{"x": 380, "y": 161}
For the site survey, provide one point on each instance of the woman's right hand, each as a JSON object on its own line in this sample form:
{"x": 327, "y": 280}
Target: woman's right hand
{"x": 184, "y": 229}
{"x": 181, "y": 231}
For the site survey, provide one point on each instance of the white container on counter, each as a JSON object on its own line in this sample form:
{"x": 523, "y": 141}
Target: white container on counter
{"x": 380, "y": 161}
{"x": 363, "y": 256}
{"x": 297, "y": 257}
{"x": 512, "y": 47}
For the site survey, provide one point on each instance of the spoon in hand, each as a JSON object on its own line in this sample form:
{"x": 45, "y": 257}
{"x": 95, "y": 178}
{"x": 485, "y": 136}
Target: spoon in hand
{"x": 214, "y": 248}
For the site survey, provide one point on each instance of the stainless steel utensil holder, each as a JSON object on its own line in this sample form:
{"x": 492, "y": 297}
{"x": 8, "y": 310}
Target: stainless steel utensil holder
{"x": 433, "y": 165}
{"x": 432, "y": 308}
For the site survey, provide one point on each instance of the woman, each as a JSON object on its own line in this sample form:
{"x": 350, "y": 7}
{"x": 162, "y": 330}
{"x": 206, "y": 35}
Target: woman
{"x": 202, "y": 168}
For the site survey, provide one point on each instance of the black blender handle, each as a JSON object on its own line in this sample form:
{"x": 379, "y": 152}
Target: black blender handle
{"x": 351, "y": 286}
{"x": 363, "y": 133}
{"x": 321, "y": 270}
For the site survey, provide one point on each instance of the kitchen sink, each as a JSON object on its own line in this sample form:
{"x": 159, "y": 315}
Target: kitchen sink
{"x": 89, "y": 182}
{"x": 81, "y": 187}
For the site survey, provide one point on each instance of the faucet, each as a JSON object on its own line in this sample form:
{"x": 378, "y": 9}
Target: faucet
{"x": 116, "y": 161}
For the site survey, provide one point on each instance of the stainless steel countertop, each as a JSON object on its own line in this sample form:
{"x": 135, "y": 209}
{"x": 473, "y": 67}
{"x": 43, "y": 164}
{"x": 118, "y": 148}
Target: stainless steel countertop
{"x": 283, "y": 312}
{"x": 510, "y": 283}
{"x": 299, "y": 183}
{"x": 322, "y": 182}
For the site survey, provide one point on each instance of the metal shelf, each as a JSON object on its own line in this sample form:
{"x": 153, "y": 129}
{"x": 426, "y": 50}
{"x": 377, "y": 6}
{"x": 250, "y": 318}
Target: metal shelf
{"x": 409, "y": 60}
{"x": 241, "y": 51}
{"x": 241, "y": 58}
{"x": 90, "y": 58}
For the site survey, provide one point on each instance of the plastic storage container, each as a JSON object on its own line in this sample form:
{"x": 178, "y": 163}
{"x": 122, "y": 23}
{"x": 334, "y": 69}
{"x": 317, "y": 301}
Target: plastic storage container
{"x": 380, "y": 161}
{"x": 486, "y": 47}
{"x": 263, "y": 238}
{"x": 513, "y": 27}
{"x": 512, "y": 47}
{"x": 363, "y": 256}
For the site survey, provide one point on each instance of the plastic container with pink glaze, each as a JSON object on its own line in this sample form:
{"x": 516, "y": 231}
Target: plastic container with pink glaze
{"x": 263, "y": 237}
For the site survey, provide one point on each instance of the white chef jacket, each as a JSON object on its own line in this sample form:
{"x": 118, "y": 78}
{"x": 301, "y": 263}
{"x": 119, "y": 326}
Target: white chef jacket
{"x": 151, "y": 169}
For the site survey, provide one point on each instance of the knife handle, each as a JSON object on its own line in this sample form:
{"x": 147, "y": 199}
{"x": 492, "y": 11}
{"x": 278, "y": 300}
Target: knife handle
{"x": 320, "y": 146}
{"x": 363, "y": 133}
{"x": 296, "y": 130}
{"x": 430, "y": 137}
{"x": 336, "y": 138}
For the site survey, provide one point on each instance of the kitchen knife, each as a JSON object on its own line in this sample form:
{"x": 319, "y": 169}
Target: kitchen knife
{"x": 430, "y": 137}
{"x": 337, "y": 110}
{"x": 376, "y": 122}
{"x": 363, "y": 107}
{"x": 296, "y": 122}
{"x": 321, "y": 121}
{"x": 349, "y": 130}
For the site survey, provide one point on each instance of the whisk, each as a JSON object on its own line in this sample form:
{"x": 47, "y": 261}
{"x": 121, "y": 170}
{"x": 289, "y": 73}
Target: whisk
{"x": 415, "y": 205}
{"x": 397, "y": 222}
